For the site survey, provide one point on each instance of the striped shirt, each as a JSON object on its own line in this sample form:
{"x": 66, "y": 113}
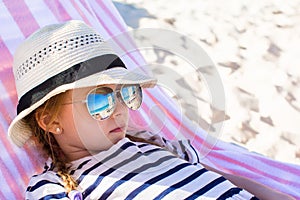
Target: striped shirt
{"x": 134, "y": 170}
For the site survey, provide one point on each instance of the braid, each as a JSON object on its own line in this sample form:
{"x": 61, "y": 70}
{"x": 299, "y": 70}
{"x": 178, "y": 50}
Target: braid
{"x": 48, "y": 142}
{"x": 139, "y": 139}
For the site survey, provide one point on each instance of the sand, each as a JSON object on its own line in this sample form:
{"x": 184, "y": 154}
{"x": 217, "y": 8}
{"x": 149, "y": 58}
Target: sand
{"x": 255, "y": 49}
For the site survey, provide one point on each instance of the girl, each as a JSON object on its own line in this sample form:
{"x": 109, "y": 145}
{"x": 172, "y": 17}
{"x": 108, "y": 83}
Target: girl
{"x": 74, "y": 96}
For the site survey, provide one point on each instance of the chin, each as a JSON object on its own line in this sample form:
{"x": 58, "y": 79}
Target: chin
{"x": 118, "y": 137}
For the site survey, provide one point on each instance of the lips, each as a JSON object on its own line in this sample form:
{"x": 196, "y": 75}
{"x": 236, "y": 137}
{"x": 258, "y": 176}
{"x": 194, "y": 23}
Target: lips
{"x": 118, "y": 129}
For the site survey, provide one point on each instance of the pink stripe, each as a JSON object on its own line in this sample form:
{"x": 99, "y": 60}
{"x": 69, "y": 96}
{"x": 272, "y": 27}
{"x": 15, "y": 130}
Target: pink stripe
{"x": 5, "y": 113}
{"x": 141, "y": 124}
{"x": 122, "y": 29}
{"x": 112, "y": 15}
{"x": 137, "y": 122}
{"x": 6, "y": 73}
{"x": 83, "y": 2}
{"x": 35, "y": 158}
{"x": 13, "y": 156}
{"x": 80, "y": 11}
{"x": 252, "y": 169}
{"x": 58, "y": 10}
{"x": 2, "y": 195}
{"x": 214, "y": 153}
{"x": 22, "y": 16}
{"x": 178, "y": 123}
{"x": 157, "y": 120}
{"x": 116, "y": 21}
{"x": 7, "y": 78}
{"x": 11, "y": 180}
{"x": 284, "y": 167}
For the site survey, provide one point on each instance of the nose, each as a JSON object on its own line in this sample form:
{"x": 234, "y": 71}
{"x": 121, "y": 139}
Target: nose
{"x": 120, "y": 109}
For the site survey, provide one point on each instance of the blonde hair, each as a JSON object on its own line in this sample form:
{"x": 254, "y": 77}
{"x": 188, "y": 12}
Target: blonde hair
{"x": 48, "y": 142}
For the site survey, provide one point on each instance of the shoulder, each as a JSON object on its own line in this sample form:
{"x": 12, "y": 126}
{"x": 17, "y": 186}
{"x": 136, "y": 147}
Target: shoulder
{"x": 46, "y": 185}
{"x": 181, "y": 148}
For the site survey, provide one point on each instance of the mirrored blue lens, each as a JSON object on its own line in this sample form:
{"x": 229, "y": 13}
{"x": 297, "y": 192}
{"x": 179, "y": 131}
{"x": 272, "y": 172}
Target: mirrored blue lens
{"x": 132, "y": 96}
{"x": 101, "y": 103}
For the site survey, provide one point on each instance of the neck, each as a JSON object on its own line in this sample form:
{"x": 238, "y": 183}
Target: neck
{"x": 77, "y": 154}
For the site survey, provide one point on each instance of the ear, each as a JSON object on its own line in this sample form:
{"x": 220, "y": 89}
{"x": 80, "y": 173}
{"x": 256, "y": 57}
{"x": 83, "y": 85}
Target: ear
{"x": 44, "y": 121}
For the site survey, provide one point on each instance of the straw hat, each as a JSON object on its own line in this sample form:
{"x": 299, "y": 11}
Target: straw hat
{"x": 60, "y": 57}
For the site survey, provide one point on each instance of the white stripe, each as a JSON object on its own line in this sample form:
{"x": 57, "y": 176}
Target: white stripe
{"x": 164, "y": 121}
{"x": 105, "y": 19}
{"x": 39, "y": 10}
{"x": 12, "y": 35}
{"x": 71, "y": 10}
{"x": 21, "y": 154}
{"x": 120, "y": 42}
{"x": 91, "y": 16}
{"x": 4, "y": 155}
{"x": 6, "y": 190}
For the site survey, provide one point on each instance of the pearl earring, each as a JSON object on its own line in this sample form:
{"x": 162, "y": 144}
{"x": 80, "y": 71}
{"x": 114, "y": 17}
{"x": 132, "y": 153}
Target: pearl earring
{"x": 58, "y": 130}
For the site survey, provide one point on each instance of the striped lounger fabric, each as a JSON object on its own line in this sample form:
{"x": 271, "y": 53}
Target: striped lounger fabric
{"x": 20, "y": 18}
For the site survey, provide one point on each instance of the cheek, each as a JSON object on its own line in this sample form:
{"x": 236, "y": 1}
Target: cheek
{"x": 83, "y": 122}
{"x": 90, "y": 132}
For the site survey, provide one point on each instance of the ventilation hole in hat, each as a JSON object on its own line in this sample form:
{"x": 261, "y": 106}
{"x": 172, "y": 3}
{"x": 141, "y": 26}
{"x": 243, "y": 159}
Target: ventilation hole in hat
{"x": 65, "y": 45}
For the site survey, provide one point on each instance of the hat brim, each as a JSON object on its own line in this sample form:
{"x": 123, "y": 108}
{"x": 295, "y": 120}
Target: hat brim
{"x": 19, "y": 132}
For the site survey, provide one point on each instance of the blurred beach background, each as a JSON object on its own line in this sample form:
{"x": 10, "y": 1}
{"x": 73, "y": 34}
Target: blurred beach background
{"x": 255, "y": 48}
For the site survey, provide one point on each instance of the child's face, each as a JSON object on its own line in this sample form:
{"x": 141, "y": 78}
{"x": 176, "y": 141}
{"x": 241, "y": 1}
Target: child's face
{"x": 82, "y": 132}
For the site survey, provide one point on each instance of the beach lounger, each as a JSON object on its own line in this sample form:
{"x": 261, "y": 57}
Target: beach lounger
{"x": 19, "y": 18}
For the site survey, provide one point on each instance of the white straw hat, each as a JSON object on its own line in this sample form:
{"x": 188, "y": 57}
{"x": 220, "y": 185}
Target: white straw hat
{"x": 60, "y": 57}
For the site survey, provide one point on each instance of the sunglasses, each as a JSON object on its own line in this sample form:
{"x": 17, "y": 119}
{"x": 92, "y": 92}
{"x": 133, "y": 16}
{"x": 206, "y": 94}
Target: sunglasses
{"x": 101, "y": 101}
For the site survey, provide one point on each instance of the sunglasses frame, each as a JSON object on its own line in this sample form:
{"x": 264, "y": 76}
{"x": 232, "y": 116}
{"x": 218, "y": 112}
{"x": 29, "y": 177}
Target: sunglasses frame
{"x": 117, "y": 96}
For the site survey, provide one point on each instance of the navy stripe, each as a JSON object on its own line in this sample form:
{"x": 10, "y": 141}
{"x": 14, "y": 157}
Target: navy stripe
{"x": 54, "y": 196}
{"x": 90, "y": 189}
{"x": 229, "y": 193}
{"x": 40, "y": 184}
{"x": 156, "y": 179}
{"x": 80, "y": 166}
{"x": 181, "y": 183}
{"x": 198, "y": 159}
{"x": 123, "y": 147}
{"x": 207, "y": 187}
{"x": 143, "y": 145}
{"x": 183, "y": 149}
{"x": 112, "y": 169}
{"x": 110, "y": 190}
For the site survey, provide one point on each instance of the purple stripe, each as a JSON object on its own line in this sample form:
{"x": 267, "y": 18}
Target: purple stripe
{"x": 121, "y": 28}
{"x": 22, "y": 16}
{"x": 58, "y": 10}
